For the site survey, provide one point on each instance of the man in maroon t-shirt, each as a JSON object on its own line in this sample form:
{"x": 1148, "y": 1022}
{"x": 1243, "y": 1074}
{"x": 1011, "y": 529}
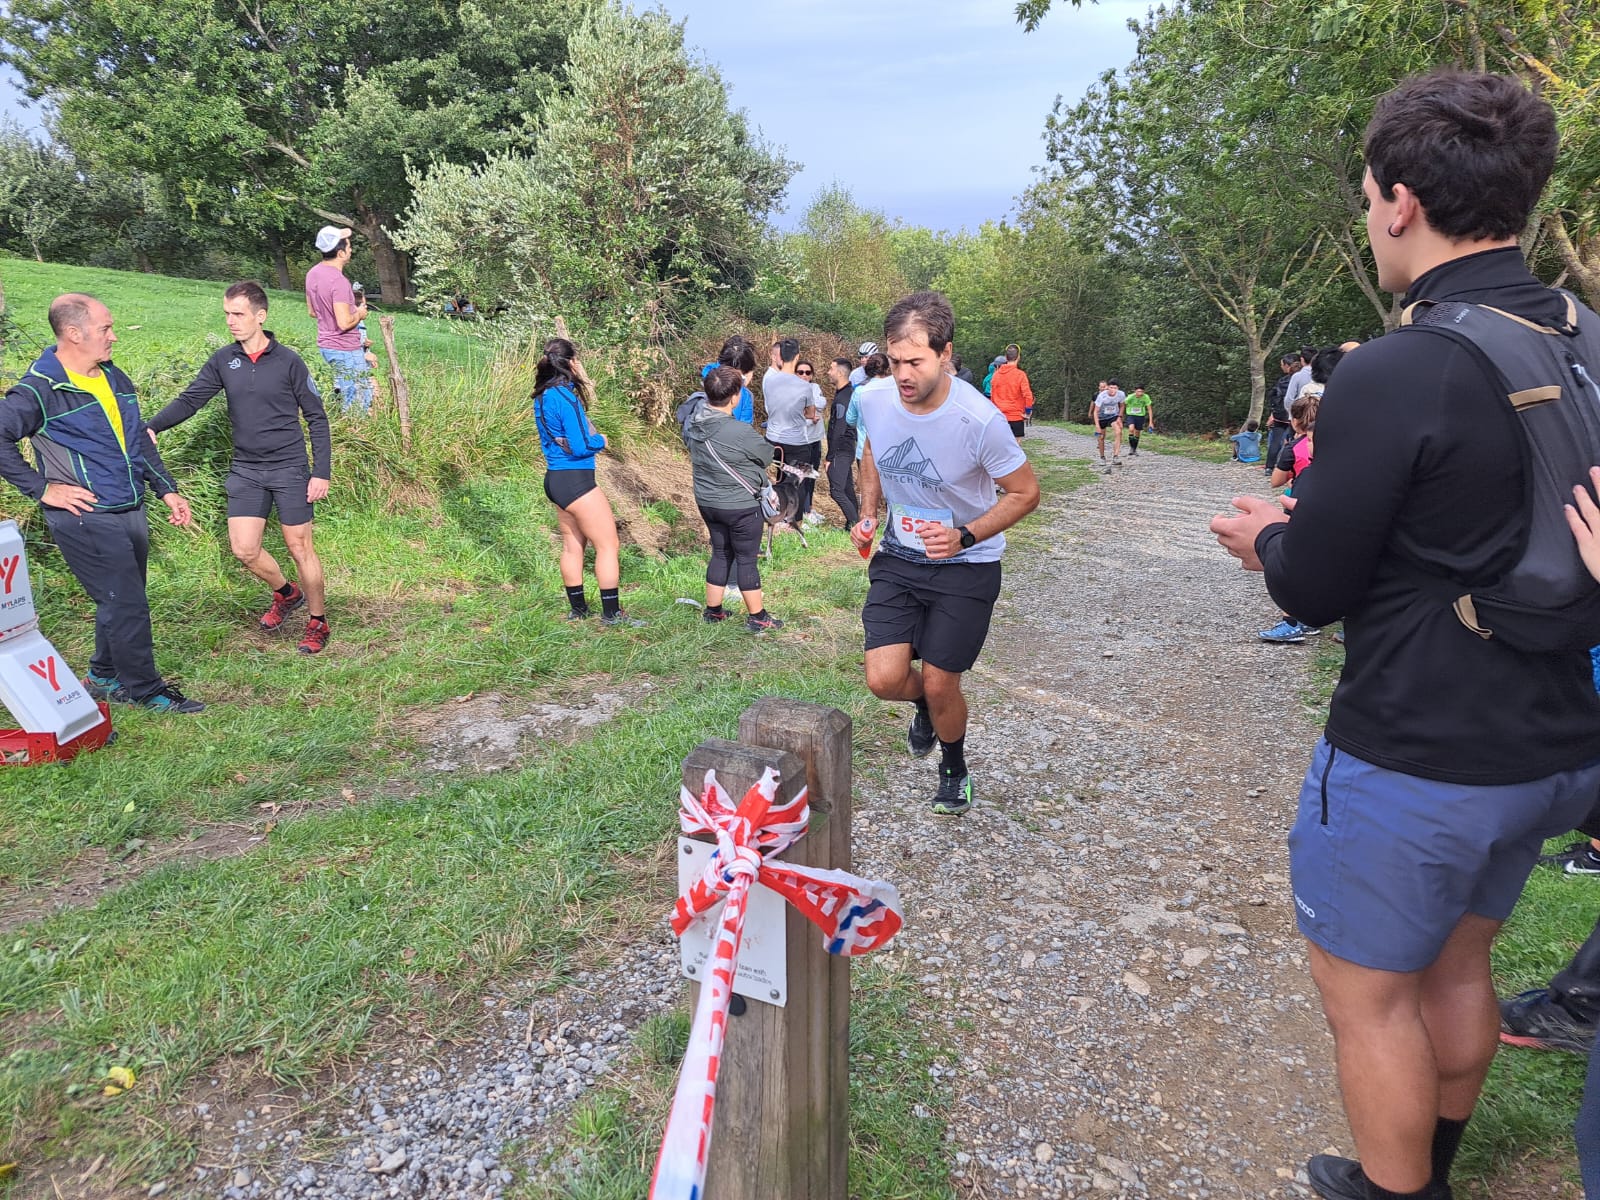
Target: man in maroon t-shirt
{"x": 332, "y": 301}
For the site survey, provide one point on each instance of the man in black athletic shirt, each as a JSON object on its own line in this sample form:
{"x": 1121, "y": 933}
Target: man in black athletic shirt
{"x": 1447, "y": 757}
{"x": 268, "y": 390}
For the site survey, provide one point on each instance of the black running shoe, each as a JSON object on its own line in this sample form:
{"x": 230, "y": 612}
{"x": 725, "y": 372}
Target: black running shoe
{"x": 920, "y": 737}
{"x": 765, "y": 623}
{"x": 1533, "y": 1020}
{"x": 1577, "y": 859}
{"x": 1336, "y": 1178}
{"x": 954, "y": 796}
{"x": 168, "y": 700}
{"x": 714, "y": 616}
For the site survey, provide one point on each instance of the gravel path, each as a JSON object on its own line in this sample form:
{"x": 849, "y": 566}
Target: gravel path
{"x": 1112, "y": 920}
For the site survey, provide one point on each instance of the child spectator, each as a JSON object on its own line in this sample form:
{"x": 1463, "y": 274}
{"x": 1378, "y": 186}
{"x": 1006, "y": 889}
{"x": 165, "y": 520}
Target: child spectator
{"x": 1247, "y": 443}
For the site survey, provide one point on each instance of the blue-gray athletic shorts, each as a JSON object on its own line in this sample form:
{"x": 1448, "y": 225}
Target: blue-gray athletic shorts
{"x": 1384, "y": 865}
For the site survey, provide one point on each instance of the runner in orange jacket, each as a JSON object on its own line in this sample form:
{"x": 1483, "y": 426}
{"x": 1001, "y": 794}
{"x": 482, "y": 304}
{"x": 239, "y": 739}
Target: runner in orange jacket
{"x": 1011, "y": 392}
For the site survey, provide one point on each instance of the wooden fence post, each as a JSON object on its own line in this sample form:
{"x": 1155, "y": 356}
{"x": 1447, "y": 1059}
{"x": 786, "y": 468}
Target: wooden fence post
{"x": 397, "y": 382}
{"x": 782, "y": 1127}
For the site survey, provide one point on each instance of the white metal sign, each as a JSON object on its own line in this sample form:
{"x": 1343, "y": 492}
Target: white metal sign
{"x": 763, "y": 951}
{"x": 17, "y": 615}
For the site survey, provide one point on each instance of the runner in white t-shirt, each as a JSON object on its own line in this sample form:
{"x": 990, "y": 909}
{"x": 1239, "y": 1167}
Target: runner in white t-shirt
{"x": 935, "y": 450}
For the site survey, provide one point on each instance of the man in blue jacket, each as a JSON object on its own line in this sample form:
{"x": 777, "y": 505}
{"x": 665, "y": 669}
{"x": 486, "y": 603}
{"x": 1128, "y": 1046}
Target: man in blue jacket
{"x": 82, "y": 419}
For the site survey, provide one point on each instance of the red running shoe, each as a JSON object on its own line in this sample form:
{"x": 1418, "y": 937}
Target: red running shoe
{"x": 272, "y": 619}
{"x": 317, "y": 635}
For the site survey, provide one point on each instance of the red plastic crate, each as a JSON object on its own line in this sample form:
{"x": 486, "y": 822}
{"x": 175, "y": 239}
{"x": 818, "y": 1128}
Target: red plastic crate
{"x": 19, "y": 748}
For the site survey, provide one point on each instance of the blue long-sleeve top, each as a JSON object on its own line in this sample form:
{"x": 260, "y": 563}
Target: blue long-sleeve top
{"x": 745, "y": 410}
{"x": 566, "y": 435}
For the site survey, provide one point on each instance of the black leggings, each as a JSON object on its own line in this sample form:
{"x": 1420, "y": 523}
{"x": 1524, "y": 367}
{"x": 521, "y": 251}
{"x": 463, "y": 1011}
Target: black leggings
{"x": 735, "y": 543}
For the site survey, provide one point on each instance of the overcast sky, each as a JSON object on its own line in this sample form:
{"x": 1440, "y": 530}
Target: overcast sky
{"x": 930, "y": 110}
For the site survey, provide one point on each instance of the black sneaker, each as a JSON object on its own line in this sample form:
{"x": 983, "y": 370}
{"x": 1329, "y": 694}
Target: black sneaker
{"x": 1336, "y": 1178}
{"x": 168, "y": 700}
{"x": 765, "y": 623}
{"x": 1577, "y": 859}
{"x": 954, "y": 796}
{"x": 920, "y": 737}
{"x": 101, "y": 687}
{"x": 1535, "y": 1021}
{"x": 714, "y": 616}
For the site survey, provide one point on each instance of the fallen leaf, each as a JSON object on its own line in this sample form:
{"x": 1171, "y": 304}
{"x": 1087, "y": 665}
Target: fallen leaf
{"x": 128, "y": 807}
{"x": 270, "y": 826}
{"x": 349, "y": 796}
{"x": 270, "y": 806}
{"x": 408, "y": 954}
{"x": 464, "y": 699}
{"x": 238, "y": 777}
{"x": 123, "y": 1077}
{"x": 7, "y": 1168}
{"x": 109, "y": 1090}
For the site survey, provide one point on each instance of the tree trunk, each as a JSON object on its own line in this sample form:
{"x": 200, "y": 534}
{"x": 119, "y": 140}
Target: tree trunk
{"x": 280, "y": 260}
{"x": 1581, "y": 259}
{"x": 393, "y": 267}
{"x": 1258, "y": 371}
{"x": 143, "y": 259}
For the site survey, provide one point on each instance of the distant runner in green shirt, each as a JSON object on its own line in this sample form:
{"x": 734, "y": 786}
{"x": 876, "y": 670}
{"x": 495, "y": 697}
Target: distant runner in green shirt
{"x": 1138, "y": 412}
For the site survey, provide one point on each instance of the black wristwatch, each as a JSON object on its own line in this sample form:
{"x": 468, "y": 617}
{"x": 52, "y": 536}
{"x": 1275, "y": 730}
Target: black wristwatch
{"x": 968, "y": 538}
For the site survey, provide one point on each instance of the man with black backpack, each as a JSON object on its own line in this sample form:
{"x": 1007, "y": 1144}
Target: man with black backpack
{"x": 1465, "y": 728}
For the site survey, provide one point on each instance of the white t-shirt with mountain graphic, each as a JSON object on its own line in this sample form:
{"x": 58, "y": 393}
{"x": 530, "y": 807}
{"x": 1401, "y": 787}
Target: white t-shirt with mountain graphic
{"x": 941, "y": 466}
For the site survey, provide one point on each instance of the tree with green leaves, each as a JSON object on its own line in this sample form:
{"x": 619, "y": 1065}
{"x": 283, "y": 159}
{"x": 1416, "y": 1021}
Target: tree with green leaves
{"x": 845, "y": 251}
{"x": 310, "y": 105}
{"x": 1174, "y": 151}
{"x": 644, "y": 193}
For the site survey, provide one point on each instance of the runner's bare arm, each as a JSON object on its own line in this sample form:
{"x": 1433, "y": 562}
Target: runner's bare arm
{"x": 871, "y": 488}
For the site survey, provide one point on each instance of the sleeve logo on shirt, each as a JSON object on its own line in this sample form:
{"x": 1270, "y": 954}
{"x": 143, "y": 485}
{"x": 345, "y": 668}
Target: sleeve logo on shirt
{"x": 909, "y": 462}
{"x": 233, "y": 363}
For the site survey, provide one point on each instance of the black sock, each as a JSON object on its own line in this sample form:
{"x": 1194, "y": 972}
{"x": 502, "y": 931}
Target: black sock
{"x": 922, "y": 708}
{"x": 759, "y": 616}
{"x": 286, "y": 590}
{"x": 575, "y": 597}
{"x": 1446, "y": 1141}
{"x": 953, "y": 757}
{"x": 713, "y": 608}
{"x": 317, "y": 617}
{"x": 1374, "y": 1192}
{"x": 610, "y": 606}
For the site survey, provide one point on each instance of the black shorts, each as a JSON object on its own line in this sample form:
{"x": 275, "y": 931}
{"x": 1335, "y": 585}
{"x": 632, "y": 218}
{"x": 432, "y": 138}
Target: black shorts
{"x": 1136, "y": 423}
{"x": 941, "y": 610}
{"x": 561, "y": 488}
{"x": 1017, "y": 428}
{"x": 1107, "y": 422}
{"x": 254, "y": 493}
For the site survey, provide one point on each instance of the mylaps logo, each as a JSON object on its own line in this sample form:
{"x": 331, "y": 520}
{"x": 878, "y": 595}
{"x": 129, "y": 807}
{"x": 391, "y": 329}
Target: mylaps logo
{"x": 46, "y": 670}
{"x": 8, "y": 571}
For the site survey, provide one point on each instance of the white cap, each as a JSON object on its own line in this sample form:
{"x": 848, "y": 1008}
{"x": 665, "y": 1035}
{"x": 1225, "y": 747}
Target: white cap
{"x": 329, "y": 237}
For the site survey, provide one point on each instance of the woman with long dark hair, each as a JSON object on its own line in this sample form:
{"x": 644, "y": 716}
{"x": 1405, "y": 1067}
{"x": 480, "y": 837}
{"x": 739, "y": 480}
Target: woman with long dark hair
{"x": 561, "y": 390}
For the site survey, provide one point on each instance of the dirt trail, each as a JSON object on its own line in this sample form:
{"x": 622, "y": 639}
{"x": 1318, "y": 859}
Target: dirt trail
{"x": 1108, "y": 934}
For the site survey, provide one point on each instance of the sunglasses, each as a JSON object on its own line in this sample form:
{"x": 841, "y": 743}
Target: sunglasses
{"x": 807, "y": 374}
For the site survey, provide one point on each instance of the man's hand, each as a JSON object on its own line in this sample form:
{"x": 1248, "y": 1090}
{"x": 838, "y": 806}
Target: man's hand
{"x": 70, "y": 496}
{"x": 811, "y": 412}
{"x": 361, "y": 312}
{"x": 316, "y": 489}
{"x": 1585, "y": 523}
{"x": 152, "y": 434}
{"x": 1237, "y": 535}
{"x": 939, "y": 540}
{"x": 861, "y": 533}
{"x": 372, "y": 360}
{"x": 177, "y": 510}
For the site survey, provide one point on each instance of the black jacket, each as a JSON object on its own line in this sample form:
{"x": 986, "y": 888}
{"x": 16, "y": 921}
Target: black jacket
{"x": 1419, "y": 462}
{"x": 73, "y": 439}
{"x": 841, "y": 434}
{"x": 265, "y": 401}
{"x": 1278, "y": 401}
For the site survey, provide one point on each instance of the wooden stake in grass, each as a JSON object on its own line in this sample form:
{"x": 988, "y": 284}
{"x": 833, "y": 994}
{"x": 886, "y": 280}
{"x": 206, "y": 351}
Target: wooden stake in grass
{"x": 397, "y": 382}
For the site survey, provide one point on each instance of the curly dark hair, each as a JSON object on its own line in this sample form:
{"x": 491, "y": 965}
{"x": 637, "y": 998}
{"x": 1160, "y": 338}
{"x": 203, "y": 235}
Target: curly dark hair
{"x": 1475, "y": 149}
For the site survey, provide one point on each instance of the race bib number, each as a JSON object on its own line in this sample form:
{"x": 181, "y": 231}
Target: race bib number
{"x": 908, "y": 523}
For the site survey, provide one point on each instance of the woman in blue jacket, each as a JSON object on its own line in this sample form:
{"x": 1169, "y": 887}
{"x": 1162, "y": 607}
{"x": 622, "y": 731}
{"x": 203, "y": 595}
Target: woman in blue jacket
{"x": 570, "y": 442}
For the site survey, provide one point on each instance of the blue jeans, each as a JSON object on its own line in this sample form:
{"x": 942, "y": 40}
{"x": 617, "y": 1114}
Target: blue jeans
{"x": 352, "y": 378}
{"x": 1277, "y": 435}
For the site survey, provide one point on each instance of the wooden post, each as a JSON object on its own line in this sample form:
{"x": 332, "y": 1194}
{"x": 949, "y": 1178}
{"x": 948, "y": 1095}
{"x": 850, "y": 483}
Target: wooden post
{"x": 397, "y": 382}
{"x": 781, "y": 1129}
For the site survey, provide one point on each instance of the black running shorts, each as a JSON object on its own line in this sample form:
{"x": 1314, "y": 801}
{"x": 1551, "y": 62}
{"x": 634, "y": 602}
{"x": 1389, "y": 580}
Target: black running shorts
{"x": 941, "y": 610}
{"x": 1136, "y": 423}
{"x": 255, "y": 492}
{"x": 561, "y": 488}
{"x": 1018, "y": 428}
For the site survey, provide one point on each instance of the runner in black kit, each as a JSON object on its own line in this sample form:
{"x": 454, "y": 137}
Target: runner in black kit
{"x": 935, "y": 449}
{"x": 269, "y": 390}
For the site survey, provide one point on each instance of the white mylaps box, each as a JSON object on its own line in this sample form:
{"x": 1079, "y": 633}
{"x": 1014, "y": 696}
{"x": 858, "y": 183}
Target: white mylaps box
{"x": 42, "y": 692}
{"x": 17, "y": 613}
